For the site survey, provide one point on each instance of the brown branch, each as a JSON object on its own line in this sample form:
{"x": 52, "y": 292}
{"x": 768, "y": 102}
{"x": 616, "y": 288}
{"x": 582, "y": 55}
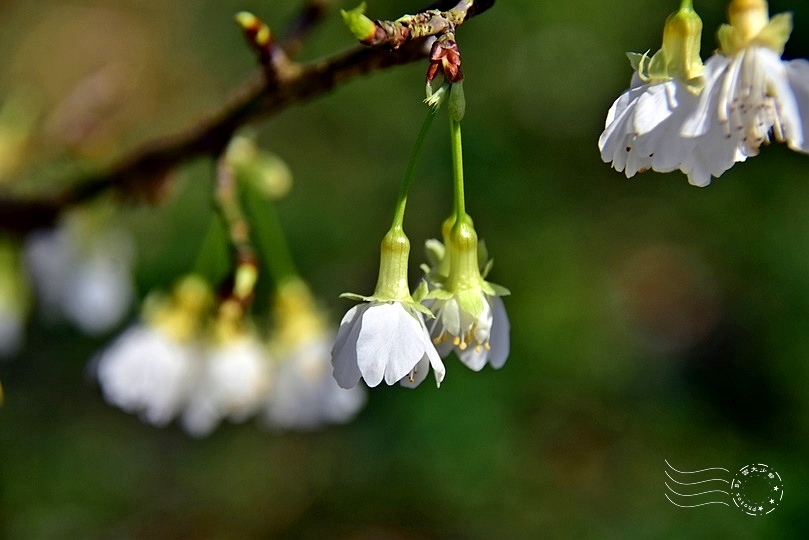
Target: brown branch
{"x": 139, "y": 174}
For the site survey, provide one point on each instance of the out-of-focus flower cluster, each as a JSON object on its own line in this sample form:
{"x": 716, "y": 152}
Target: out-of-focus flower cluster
{"x": 203, "y": 362}
{"x": 702, "y": 119}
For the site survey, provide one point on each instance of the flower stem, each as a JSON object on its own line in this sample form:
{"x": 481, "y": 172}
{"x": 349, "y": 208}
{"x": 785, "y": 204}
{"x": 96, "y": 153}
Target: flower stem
{"x": 457, "y": 167}
{"x": 401, "y": 203}
{"x": 269, "y": 236}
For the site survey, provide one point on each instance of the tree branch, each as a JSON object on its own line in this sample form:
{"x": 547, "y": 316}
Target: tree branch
{"x": 140, "y": 174}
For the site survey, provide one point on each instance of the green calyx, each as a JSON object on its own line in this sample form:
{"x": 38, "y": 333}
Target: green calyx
{"x": 679, "y": 55}
{"x": 392, "y": 285}
{"x": 464, "y": 272}
{"x": 750, "y": 25}
{"x": 458, "y": 270}
{"x": 181, "y": 315}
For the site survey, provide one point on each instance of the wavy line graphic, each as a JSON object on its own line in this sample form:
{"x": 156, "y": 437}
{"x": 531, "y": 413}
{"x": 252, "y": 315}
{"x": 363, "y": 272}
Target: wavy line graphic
{"x": 695, "y": 494}
{"x": 695, "y": 472}
{"x": 696, "y": 484}
{"x": 694, "y": 505}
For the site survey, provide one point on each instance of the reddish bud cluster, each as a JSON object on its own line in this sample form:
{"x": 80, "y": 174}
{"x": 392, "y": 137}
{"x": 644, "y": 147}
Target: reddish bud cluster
{"x": 445, "y": 56}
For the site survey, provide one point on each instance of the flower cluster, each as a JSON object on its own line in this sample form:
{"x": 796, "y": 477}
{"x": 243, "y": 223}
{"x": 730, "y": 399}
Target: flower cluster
{"x": 703, "y": 118}
{"x": 202, "y": 365}
{"x": 388, "y": 338}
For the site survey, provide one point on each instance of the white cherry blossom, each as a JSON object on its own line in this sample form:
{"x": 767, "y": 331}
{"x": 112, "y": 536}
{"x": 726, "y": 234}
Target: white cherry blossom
{"x": 384, "y": 340}
{"x": 147, "y": 372}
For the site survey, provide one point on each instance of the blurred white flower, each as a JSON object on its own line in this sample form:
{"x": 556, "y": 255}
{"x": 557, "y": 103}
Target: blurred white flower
{"x": 154, "y": 366}
{"x": 146, "y": 371}
{"x": 755, "y": 93}
{"x": 82, "y": 273}
{"x": 234, "y": 381}
{"x": 645, "y": 126}
{"x": 305, "y": 396}
{"x": 670, "y": 120}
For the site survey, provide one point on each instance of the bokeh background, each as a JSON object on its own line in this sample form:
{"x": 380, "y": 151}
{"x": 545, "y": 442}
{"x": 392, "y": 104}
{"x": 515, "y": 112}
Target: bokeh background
{"x": 651, "y": 319}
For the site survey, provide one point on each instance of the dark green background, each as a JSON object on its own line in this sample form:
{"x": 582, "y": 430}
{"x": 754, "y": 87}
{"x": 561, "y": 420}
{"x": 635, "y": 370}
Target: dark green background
{"x": 609, "y": 373}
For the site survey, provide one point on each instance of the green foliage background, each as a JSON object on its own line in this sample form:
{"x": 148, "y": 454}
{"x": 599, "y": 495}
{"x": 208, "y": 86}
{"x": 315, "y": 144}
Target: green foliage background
{"x": 651, "y": 319}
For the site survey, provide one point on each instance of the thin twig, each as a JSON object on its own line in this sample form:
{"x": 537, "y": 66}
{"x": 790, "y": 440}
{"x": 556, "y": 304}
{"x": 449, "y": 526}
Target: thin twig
{"x": 139, "y": 174}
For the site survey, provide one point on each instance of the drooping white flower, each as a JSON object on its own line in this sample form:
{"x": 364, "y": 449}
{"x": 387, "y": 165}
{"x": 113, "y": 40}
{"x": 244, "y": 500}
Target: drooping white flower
{"x": 487, "y": 344}
{"x": 711, "y": 150}
{"x": 234, "y": 380}
{"x": 305, "y": 395}
{"x": 644, "y": 126}
{"x": 642, "y": 130}
{"x": 152, "y": 368}
{"x": 383, "y": 340}
{"x": 82, "y": 272}
{"x": 470, "y": 317}
{"x": 147, "y": 372}
{"x": 386, "y": 338}
{"x": 756, "y": 95}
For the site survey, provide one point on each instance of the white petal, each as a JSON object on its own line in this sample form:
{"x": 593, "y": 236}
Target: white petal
{"x": 474, "y": 358}
{"x": 500, "y": 336}
{"x": 419, "y": 374}
{"x": 435, "y": 359}
{"x": 705, "y": 114}
{"x": 345, "y": 325}
{"x": 619, "y": 128}
{"x": 654, "y": 106}
{"x": 344, "y": 354}
{"x": 449, "y": 313}
{"x": 389, "y": 344}
{"x": 798, "y": 75}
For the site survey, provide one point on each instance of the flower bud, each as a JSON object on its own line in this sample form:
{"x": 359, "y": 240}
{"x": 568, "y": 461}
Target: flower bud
{"x": 361, "y": 26}
{"x": 456, "y": 106}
